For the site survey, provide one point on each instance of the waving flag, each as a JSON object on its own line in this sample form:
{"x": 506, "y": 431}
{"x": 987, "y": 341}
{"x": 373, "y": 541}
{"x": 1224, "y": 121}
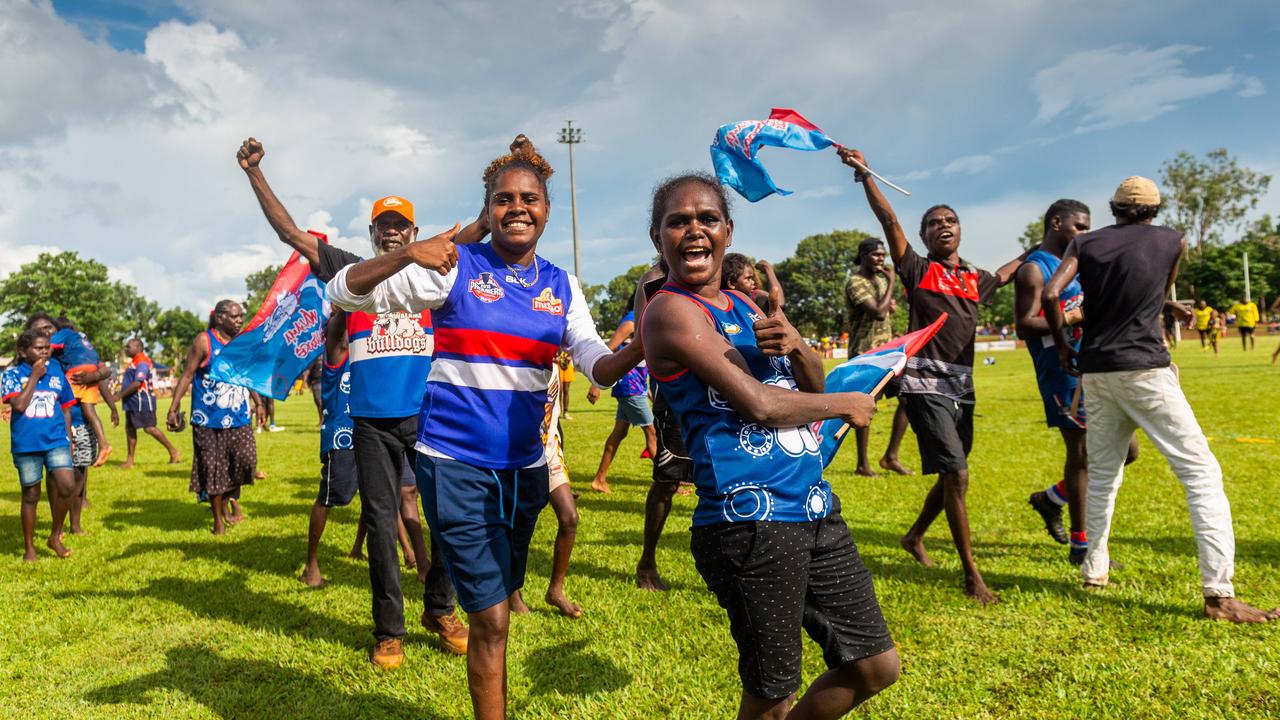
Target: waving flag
{"x": 733, "y": 154}
{"x": 282, "y": 339}
{"x": 869, "y": 373}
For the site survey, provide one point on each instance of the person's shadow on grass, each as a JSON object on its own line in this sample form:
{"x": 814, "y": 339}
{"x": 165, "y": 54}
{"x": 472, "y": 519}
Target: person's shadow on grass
{"x": 229, "y": 598}
{"x": 262, "y": 553}
{"x": 183, "y": 515}
{"x": 568, "y": 669}
{"x": 235, "y": 687}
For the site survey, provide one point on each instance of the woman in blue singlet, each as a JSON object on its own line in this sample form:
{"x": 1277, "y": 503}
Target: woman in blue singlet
{"x": 767, "y": 537}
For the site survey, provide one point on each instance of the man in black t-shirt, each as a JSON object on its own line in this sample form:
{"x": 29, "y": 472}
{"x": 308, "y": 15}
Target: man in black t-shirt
{"x": 937, "y": 385}
{"x": 386, "y": 487}
{"x": 1125, "y": 271}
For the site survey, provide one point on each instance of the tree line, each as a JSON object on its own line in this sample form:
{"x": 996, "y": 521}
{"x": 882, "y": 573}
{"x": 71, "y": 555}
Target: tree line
{"x": 1207, "y": 199}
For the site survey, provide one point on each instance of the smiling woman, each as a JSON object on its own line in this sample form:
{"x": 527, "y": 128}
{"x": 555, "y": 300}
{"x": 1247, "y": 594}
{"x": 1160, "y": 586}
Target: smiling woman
{"x": 768, "y": 537}
{"x": 501, "y": 314}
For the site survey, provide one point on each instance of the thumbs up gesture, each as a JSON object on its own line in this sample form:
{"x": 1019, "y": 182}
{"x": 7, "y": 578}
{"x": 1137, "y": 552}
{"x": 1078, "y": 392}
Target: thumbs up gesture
{"x": 775, "y": 335}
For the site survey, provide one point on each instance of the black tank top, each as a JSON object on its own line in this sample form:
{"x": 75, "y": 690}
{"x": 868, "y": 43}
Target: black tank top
{"x": 1124, "y": 272}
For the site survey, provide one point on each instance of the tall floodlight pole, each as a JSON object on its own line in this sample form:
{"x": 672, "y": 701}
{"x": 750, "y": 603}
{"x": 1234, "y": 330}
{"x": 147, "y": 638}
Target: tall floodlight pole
{"x": 1248, "y": 296}
{"x": 569, "y": 135}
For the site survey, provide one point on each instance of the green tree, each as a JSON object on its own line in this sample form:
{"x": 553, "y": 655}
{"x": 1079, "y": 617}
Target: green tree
{"x": 1206, "y": 197}
{"x": 258, "y": 283}
{"x": 609, "y": 301}
{"x": 66, "y": 284}
{"x": 1032, "y": 235}
{"x": 814, "y": 279}
{"x": 172, "y": 333}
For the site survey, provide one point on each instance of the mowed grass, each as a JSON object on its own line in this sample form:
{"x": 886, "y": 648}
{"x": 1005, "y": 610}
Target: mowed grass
{"x": 155, "y": 617}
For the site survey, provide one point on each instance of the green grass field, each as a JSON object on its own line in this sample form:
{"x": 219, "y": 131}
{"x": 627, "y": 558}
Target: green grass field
{"x": 155, "y": 617}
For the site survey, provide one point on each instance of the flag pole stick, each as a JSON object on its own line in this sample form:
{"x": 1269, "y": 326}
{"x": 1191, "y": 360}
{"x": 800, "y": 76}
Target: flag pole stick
{"x": 877, "y": 176}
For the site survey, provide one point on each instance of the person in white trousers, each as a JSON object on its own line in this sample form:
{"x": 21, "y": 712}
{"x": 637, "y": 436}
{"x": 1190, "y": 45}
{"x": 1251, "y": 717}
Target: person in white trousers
{"x": 1125, "y": 271}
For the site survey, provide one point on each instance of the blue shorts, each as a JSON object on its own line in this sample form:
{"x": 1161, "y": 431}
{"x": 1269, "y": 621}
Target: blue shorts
{"x": 31, "y": 466}
{"x": 1057, "y": 394}
{"x": 482, "y": 521}
{"x": 635, "y": 410}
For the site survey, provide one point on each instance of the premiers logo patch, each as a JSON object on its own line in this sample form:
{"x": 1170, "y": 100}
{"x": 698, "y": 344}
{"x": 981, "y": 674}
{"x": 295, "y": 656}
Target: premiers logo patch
{"x": 731, "y": 328}
{"x": 486, "y": 289}
{"x": 548, "y": 303}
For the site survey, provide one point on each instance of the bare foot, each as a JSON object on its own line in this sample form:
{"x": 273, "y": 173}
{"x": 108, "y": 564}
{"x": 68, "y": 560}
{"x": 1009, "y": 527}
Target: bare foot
{"x": 648, "y": 579}
{"x": 517, "y": 604}
{"x": 29, "y": 556}
{"x": 895, "y": 465}
{"x": 128, "y": 465}
{"x": 1237, "y": 612}
{"x": 219, "y": 529}
{"x": 976, "y": 589}
{"x": 557, "y": 599}
{"x": 601, "y": 485}
{"x": 683, "y": 489}
{"x": 410, "y": 562}
{"x": 259, "y": 474}
{"x": 356, "y": 554}
{"x": 55, "y": 544}
{"x": 865, "y": 471}
{"x": 103, "y": 452}
{"x": 235, "y": 519}
{"x": 174, "y": 459}
{"x": 79, "y": 531}
{"x": 915, "y": 546}
{"x": 311, "y": 576}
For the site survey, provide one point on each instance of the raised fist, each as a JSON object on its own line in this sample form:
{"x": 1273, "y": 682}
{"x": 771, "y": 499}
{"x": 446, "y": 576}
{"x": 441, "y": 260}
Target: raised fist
{"x": 250, "y": 154}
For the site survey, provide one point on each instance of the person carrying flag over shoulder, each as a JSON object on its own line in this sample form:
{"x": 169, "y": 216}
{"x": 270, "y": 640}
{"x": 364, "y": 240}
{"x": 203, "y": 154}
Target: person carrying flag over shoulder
{"x": 501, "y": 313}
{"x": 768, "y": 537}
{"x": 937, "y": 386}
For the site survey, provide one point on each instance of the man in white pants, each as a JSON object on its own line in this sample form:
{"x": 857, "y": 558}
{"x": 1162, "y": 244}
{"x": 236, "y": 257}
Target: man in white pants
{"x": 1125, "y": 271}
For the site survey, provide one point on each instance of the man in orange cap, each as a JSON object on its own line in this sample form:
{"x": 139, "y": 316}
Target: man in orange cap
{"x": 1125, "y": 272}
{"x": 390, "y": 356}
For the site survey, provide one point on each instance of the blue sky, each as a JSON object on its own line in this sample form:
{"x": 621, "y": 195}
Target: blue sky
{"x": 119, "y": 121}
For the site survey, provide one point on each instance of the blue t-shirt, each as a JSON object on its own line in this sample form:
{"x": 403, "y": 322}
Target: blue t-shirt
{"x": 41, "y": 427}
{"x": 745, "y": 471}
{"x": 139, "y": 370}
{"x": 637, "y": 378}
{"x": 72, "y": 348}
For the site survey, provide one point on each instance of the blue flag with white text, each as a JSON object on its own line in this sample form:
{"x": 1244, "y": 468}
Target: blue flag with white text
{"x": 282, "y": 339}
{"x": 733, "y": 153}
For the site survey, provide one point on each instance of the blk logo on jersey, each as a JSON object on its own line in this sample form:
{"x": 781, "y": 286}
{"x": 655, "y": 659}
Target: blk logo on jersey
{"x": 486, "y": 289}
{"x": 548, "y": 303}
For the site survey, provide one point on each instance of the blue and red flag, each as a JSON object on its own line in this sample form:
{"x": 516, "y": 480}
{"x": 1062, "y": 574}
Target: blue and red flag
{"x": 869, "y": 373}
{"x": 282, "y": 339}
{"x": 733, "y": 153}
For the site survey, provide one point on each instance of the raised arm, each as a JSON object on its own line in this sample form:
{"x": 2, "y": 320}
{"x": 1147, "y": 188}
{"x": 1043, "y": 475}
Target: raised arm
{"x": 879, "y": 205}
{"x": 1004, "y": 274}
{"x": 195, "y": 358}
{"x": 378, "y": 285}
{"x": 250, "y": 156}
{"x": 777, "y": 298}
{"x": 1053, "y": 310}
{"x": 678, "y": 339}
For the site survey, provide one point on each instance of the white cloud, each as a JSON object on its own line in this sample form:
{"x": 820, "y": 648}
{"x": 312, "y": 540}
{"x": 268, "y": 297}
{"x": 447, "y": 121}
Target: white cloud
{"x": 1123, "y": 84}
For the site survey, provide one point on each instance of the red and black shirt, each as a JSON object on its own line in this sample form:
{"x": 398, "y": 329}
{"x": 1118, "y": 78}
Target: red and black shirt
{"x": 944, "y": 366}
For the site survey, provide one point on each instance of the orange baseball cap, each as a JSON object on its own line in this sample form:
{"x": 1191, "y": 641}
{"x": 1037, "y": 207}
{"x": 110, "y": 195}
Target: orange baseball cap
{"x": 395, "y": 204}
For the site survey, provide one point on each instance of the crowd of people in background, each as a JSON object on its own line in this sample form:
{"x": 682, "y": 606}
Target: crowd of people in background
{"x": 448, "y": 429}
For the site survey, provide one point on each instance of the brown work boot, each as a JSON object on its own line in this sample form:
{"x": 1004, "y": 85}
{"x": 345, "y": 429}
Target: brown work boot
{"x": 452, "y": 632}
{"x": 387, "y": 654}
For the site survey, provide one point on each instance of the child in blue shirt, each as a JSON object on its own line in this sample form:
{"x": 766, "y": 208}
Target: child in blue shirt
{"x": 40, "y": 433}
{"x": 88, "y": 383}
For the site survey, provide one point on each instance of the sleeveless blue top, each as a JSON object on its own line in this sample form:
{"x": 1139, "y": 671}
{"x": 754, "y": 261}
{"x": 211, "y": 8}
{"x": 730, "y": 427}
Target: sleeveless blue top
{"x": 216, "y": 404}
{"x": 744, "y": 471}
{"x": 337, "y": 428}
{"x": 1049, "y": 373}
